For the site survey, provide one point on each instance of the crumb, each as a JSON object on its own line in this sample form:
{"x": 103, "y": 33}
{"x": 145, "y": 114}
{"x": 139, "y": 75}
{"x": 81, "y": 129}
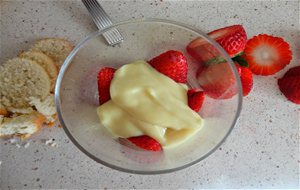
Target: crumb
{"x": 53, "y": 144}
{"x": 26, "y": 145}
{"x": 12, "y": 141}
{"x": 48, "y": 141}
{"x": 18, "y": 146}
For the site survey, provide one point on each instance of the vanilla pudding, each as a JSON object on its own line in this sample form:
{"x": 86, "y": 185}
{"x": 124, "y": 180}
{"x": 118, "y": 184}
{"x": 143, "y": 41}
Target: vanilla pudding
{"x": 146, "y": 102}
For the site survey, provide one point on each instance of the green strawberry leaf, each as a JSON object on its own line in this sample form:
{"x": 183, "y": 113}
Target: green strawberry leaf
{"x": 215, "y": 60}
{"x": 240, "y": 60}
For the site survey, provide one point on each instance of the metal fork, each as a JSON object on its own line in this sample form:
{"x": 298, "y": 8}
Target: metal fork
{"x": 102, "y": 20}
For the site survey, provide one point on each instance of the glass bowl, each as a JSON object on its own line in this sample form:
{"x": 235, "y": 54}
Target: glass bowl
{"x": 76, "y": 97}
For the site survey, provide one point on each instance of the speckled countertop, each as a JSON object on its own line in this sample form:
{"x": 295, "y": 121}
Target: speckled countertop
{"x": 261, "y": 152}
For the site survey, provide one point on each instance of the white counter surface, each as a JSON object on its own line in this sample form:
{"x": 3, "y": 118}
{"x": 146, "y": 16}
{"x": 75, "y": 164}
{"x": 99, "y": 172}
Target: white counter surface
{"x": 261, "y": 152}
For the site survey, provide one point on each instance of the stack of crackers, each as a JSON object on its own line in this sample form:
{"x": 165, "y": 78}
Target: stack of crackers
{"x": 27, "y": 85}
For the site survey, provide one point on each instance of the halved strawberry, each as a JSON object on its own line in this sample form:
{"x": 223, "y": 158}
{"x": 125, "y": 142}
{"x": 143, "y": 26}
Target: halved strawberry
{"x": 232, "y": 38}
{"x": 266, "y": 54}
{"x": 289, "y": 84}
{"x": 146, "y": 142}
{"x": 105, "y": 75}
{"x": 195, "y": 99}
{"x": 172, "y": 64}
{"x": 218, "y": 81}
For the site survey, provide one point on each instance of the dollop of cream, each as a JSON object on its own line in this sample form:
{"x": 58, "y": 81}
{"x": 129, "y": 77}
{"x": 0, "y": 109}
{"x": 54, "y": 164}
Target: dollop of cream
{"x": 146, "y": 102}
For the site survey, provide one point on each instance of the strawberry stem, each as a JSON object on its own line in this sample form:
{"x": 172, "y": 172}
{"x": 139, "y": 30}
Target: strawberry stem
{"x": 240, "y": 60}
{"x": 215, "y": 60}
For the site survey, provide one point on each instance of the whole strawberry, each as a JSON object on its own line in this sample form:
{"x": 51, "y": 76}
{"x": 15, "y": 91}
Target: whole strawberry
{"x": 172, "y": 64}
{"x": 218, "y": 81}
{"x": 289, "y": 85}
{"x": 246, "y": 80}
{"x": 245, "y": 77}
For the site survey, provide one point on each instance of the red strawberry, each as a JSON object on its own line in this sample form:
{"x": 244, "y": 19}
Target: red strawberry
{"x": 246, "y": 80}
{"x": 105, "y": 76}
{"x": 146, "y": 142}
{"x": 218, "y": 81}
{"x": 232, "y": 38}
{"x": 295, "y": 71}
{"x": 195, "y": 99}
{"x": 289, "y": 84}
{"x": 172, "y": 64}
{"x": 267, "y": 54}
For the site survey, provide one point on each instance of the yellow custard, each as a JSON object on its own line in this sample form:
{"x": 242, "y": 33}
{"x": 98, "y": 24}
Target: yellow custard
{"x": 146, "y": 102}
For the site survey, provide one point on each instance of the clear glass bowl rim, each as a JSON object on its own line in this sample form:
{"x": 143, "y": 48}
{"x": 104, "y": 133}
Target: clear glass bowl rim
{"x": 145, "y": 20}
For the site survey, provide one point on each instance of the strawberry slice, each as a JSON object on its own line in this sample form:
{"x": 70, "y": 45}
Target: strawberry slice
{"x": 218, "y": 81}
{"x": 172, "y": 64}
{"x": 232, "y": 38}
{"x": 266, "y": 55}
{"x": 289, "y": 85}
{"x": 195, "y": 99}
{"x": 146, "y": 142}
{"x": 105, "y": 75}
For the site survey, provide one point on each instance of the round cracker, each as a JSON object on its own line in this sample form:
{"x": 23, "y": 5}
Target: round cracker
{"x": 56, "y": 48}
{"x": 21, "y": 79}
{"x": 45, "y": 61}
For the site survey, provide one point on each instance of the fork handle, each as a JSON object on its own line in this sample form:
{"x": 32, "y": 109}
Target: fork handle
{"x": 99, "y": 16}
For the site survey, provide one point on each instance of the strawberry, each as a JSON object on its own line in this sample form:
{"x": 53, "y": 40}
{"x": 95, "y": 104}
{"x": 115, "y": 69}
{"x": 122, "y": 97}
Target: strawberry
{"x": 195, "y": 99}
{"x": 172, "y": 64}
{"x": 232, "y": 38}
{"x": 246, "y": 80}
{"x": 266, "y": 55}
{"x": 146, "y": 142}
{"x": 289, "y": 85}
{"x": 295, "y": 71}
{"x": 105, "y": 75}
{"x": 218, "y": 81}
